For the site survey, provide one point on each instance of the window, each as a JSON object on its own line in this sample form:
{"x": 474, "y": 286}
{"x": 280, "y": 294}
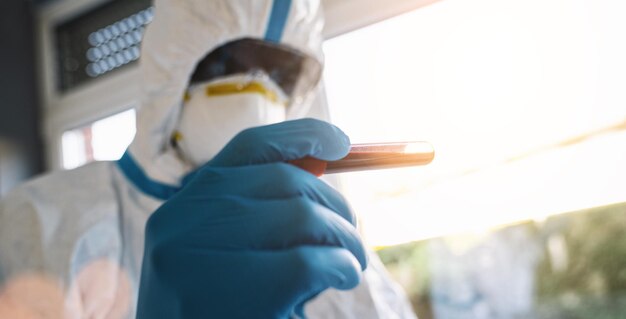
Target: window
{"x": 102, "y": 140}
{"x": 513, "y": 102}
{"x": 524, "y": 104}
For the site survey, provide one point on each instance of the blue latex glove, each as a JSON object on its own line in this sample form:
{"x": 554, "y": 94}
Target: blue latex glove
{"x": 250, "y": 236}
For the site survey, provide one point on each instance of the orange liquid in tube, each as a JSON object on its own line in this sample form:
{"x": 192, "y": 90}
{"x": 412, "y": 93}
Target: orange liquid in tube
{"x": 370, "y": 157}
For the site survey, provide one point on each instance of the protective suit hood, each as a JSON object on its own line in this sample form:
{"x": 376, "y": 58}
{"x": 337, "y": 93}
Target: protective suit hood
{"x": 181, "y": 34}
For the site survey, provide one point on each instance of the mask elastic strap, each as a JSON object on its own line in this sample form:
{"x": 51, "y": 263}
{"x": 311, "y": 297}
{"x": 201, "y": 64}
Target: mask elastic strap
{"x": 138, "y": 177}
{"x": 278, "y": 19}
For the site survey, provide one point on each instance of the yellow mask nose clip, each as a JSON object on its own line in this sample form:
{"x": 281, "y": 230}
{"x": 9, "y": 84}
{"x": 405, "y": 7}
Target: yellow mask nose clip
{"x": 239, "y": 88}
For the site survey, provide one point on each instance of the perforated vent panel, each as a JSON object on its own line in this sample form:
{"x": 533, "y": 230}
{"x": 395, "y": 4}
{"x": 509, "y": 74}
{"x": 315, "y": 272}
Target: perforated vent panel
{"x": 100, "y": 41}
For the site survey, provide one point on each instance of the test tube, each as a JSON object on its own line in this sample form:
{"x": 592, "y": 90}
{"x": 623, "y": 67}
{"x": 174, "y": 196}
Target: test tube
{"x": 382, "y": 155}
{"x": 372, "y": 156}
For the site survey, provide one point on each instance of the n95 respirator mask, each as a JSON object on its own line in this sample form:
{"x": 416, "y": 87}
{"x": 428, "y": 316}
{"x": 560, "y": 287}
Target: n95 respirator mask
{"x": 214, "y": 112}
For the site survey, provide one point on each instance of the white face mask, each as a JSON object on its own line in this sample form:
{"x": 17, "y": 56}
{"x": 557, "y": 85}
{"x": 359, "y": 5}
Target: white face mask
{"x": 215, "y": 111}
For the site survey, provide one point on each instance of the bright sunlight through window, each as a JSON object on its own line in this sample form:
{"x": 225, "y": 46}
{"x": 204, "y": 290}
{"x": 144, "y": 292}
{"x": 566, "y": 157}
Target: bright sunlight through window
{"x": 102, "y": 140}
{"x": 523, "y": 101}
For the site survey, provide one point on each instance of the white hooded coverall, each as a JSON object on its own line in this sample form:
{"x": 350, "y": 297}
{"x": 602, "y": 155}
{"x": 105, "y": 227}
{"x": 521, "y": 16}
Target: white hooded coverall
{"x": 71, "y": 242}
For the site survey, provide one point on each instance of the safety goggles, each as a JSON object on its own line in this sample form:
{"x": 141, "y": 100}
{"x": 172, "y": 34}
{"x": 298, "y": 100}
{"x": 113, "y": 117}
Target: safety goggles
{"x": 294, "y": 72}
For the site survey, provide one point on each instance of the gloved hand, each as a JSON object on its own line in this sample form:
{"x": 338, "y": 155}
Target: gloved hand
{"x": 250, "y": 236}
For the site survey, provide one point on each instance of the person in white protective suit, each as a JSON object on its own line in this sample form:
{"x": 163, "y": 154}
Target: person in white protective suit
{"x": 71, "y": 243}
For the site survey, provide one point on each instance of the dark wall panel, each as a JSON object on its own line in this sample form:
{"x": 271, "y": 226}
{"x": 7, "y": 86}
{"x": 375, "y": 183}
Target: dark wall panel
{"x": 21, "y": 153}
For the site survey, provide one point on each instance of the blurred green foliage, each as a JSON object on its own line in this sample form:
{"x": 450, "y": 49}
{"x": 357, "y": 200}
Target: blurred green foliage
{"x": 408, "y": 264}
{"x": 593, "y": 284}
{"x": 581, "y": 273}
